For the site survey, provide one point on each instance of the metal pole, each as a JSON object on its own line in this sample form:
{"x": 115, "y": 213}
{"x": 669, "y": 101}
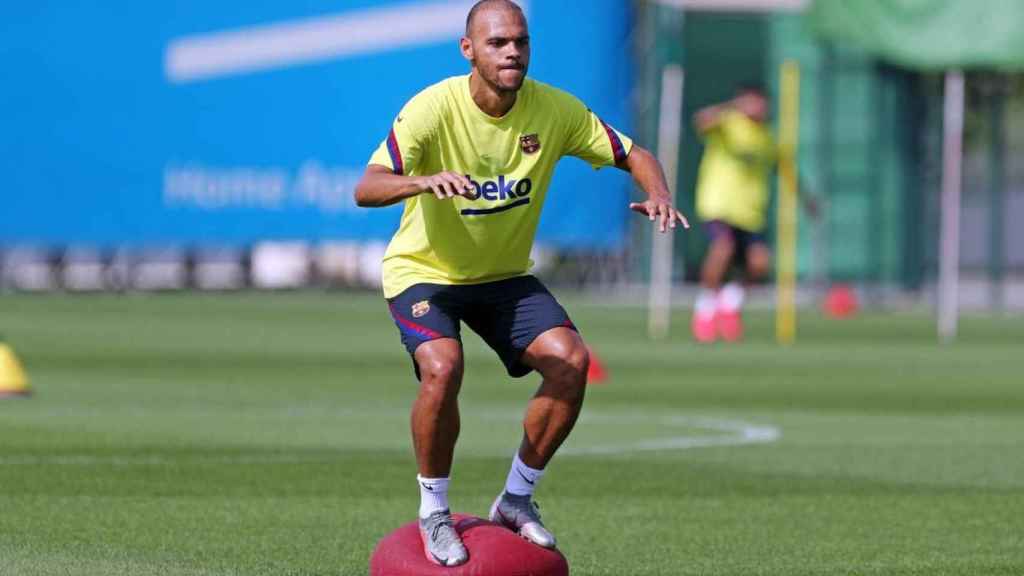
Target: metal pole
{"x": 949, "y": 241}
{"x": 669, "y": 141}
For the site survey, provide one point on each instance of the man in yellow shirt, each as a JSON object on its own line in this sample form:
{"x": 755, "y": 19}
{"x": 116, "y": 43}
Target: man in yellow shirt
{"x": 732, "y": 201}
{"x": 471, "y": 157}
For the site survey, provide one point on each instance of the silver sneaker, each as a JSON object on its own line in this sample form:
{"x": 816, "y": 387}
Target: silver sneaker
{"x": 520, "y": 514}
{"x": 441, "y": 543}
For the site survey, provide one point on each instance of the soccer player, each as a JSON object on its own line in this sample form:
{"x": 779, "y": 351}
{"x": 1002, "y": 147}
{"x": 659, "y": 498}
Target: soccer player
{"x": 471, "y": 157}
{"x": 732, "y": 201}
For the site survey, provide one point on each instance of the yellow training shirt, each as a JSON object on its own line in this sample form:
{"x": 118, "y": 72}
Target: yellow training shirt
{"x": 509, "y": 160}
{"x": 732, "y": 184}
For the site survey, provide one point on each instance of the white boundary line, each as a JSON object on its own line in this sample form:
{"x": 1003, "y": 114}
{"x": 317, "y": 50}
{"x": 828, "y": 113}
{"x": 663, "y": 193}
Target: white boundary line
{"x": 728, "y": 433}
{"x": 723, "y": 433}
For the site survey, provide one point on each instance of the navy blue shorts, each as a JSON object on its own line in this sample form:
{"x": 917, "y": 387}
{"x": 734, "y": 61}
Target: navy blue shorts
{"x": 507, "y": 314}
{"x": 743, "y": 239}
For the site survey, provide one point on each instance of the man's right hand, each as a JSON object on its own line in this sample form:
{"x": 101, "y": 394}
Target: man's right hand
{"x": 447, "y": 185}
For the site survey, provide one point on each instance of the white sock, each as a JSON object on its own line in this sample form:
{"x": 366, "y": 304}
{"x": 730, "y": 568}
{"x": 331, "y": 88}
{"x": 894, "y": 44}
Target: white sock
{"x": 522, "y": 480}
{"x": 433, "y": 495}
{"x": 731, "y": 297}
{"x": 707, "y": 301}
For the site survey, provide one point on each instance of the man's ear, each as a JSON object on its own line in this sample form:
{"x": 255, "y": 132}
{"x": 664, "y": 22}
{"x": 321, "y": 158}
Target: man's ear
{"x": 466, "y": 45}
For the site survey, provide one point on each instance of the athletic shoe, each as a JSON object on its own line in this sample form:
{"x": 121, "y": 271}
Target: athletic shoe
{"x": 441, "y": 543}
{"x": 520, "y": 514}
{"x": 730, "y": 325}
{"x": 703, "y": 328}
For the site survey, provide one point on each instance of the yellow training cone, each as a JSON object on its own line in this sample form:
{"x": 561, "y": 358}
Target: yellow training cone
{"x": 13, "y": 381}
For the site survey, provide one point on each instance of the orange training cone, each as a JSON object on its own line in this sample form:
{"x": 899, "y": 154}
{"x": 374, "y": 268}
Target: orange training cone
{"x": 13, "y": 381}
{"x": 597, "y": 373}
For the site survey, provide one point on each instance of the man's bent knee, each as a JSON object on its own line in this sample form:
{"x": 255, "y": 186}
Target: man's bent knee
{"x": 576, "y": 364}
{"x": 440, "y": 367}
{"x": 723, "y": 245}
{"x": 565, "y": 374}
{"x": 440, "y": 370}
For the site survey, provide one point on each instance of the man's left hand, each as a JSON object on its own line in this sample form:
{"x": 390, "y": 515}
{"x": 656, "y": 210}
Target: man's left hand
{"x": 662, "y": 211}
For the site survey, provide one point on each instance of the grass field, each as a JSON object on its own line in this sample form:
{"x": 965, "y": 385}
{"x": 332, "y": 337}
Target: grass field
{"x": 267, "y": 435}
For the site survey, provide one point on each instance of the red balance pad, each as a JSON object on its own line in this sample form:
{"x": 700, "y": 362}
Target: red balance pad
{"x": 493, "y": 551}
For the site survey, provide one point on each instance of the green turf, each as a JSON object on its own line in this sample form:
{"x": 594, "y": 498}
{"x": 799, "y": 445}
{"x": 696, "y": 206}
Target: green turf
{"x": 267, "y": 435}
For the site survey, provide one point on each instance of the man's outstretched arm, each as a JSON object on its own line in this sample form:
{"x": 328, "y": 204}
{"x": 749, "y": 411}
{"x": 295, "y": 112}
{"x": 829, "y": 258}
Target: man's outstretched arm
{"x": 650, "y": 178}
{"x": 379, "y": 186}
{"x": 708, "y": 118}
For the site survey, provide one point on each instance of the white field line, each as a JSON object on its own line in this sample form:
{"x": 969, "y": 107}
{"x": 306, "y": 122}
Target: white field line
{"x": 299, "y": 42}
{"x": 721, "y": 433}
{"x": 725, "y": 433}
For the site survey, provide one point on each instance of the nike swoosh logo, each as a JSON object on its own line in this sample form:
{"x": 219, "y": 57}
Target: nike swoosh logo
{"x": 523, "y": 476}
{"x": 428, "y": 488}
{"x": 495, "y": 210}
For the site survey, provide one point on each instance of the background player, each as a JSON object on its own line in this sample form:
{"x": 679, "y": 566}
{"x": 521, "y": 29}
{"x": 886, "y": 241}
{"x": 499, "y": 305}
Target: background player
{"x": 732, "y": 202}
{"x": 472, "y": 157}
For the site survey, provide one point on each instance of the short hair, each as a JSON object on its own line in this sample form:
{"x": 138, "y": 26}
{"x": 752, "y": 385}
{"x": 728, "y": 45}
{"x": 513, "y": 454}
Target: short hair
{"x": 483, "y": 3}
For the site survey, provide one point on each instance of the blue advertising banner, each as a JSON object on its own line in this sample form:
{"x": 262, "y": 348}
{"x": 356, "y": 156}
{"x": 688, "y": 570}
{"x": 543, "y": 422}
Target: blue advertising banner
{"x": 194, "y": 122}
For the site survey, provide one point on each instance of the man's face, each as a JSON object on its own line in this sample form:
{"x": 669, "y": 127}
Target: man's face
{"x": 498, "y": 45}
{"x": 753, "y": 105}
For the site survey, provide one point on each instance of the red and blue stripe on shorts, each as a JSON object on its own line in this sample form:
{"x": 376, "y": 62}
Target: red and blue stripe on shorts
{"x": 412, "y": 329}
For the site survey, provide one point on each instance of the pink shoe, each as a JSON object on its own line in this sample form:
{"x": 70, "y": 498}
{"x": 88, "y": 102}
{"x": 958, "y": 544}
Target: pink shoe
{"x": 730, "y": 325}
{"x": 703, "y": 328}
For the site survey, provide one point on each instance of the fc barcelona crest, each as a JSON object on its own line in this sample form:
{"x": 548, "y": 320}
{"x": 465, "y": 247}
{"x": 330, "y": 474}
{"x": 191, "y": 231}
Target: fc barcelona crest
{"x": 530, "y": 143}
{"x": 420, "y": 309}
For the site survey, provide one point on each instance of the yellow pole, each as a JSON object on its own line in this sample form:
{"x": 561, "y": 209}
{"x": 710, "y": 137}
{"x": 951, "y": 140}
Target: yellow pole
{"x": 789, "y": 134}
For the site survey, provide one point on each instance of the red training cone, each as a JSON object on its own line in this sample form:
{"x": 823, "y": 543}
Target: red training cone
{"x": 841, "y": 301}
{"x": 597, "y": 373}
